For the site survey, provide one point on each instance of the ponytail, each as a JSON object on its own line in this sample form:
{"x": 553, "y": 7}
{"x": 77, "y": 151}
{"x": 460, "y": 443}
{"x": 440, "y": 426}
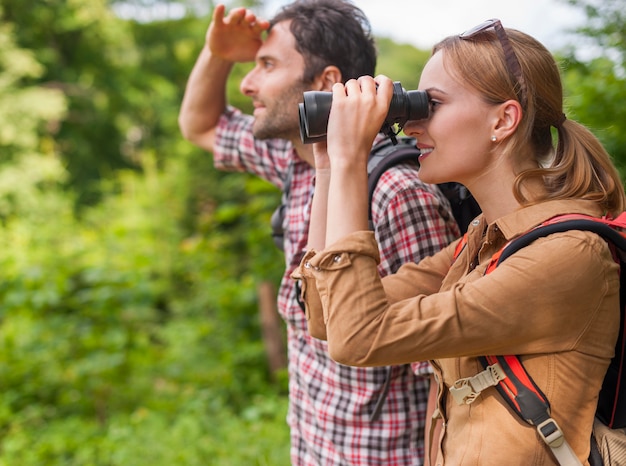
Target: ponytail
{"x": 581, "y": 168}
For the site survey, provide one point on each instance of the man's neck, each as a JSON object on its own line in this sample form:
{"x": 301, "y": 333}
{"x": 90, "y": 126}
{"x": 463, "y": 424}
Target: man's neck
{"x": 304, "y": 151}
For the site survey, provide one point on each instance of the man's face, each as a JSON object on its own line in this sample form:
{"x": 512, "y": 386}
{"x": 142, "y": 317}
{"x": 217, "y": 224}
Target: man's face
{"x": 275, "y": 86}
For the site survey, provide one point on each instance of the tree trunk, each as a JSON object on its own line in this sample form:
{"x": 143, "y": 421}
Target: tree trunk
{"x": 271, "y": 327}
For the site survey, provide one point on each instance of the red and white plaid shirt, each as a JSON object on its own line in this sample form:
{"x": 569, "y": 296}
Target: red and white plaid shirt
{"x": 331, "y": 404}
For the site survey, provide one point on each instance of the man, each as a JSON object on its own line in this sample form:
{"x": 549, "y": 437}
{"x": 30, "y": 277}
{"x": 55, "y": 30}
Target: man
{"x": 338, "y": 415}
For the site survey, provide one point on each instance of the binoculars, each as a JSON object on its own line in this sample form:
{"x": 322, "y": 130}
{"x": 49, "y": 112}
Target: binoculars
{"x": 404, "y": 106}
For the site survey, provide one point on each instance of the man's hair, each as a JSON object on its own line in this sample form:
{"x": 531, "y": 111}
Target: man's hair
{"x": 330, "y": 32}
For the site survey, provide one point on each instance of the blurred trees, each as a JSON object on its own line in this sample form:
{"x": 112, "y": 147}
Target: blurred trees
{"x": 129, "y": 332}
{"x": 89, "y": 55}
{"x": 606, "y": 25}
{"x": 596, "y": 88}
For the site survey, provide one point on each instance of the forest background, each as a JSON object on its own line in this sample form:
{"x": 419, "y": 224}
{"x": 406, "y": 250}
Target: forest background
{"x": 131, "y": 272}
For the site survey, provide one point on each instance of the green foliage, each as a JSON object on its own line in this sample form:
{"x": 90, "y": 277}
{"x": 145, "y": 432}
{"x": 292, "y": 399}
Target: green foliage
{"x": 596, "y": 89}
{"x": 88, "y": 54}
{"x": 25, "y": 109}
{"x": 122, "y": 337}
{"x": 606, "y": 24}
{"x": 129, "y": 333}
{"x": 594, "y": 97}
{"x": 402, "y": 63}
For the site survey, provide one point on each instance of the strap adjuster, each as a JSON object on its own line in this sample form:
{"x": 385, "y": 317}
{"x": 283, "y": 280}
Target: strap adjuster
{"x": 551, "y": 433}
{"x": 466, "y": 390}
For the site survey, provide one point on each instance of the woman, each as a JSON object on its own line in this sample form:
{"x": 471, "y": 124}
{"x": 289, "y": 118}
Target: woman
{"x": 495, "y": 96}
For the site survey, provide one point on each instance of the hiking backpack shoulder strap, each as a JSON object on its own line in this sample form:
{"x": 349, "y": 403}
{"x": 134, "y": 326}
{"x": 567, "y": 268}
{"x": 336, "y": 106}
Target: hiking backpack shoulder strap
{"x": 383, "y": 156}
{"x": 508, "y": 374}
{"x": 278, "y": 216}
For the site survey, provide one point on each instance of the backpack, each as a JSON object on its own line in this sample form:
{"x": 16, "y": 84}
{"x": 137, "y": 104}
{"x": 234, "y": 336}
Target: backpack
{"x": 507, "y": 373}
{"x": 384, "y": 155}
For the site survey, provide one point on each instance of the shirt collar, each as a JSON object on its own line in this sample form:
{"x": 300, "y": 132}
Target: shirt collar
{"x": 526, "y": 218}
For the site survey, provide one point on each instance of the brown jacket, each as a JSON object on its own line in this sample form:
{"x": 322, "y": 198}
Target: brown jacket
{"x": 555, "y": 303}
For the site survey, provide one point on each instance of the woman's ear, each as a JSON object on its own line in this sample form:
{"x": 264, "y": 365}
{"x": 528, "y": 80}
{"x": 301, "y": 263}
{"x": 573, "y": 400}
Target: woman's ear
{"x": 325, "y": 80}
{"x": 509, "y": 116}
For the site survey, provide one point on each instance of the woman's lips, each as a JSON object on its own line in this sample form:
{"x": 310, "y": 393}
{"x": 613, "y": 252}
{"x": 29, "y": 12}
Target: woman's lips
{"x": 425, "y": 152}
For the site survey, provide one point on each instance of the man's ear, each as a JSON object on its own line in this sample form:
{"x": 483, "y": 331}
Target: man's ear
{"x": 509, "y": 116}
{"x": 325, "y": 80}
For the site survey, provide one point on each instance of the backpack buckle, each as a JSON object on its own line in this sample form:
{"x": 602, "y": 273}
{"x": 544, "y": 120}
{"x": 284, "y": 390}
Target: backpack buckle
{"x": 551, "y": 433}
{"x": 466, "y": 390}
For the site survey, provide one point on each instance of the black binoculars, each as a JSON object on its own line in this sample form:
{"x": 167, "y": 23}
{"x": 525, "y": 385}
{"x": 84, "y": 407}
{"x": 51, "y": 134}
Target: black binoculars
{"x": 404, "y": 106}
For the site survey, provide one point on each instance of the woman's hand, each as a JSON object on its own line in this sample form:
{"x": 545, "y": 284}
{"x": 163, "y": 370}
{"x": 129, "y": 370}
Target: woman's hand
{"x": 357, "y": 114}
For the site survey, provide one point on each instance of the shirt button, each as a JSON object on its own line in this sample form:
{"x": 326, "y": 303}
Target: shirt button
{"x": 337, "y": 259}
{"x": 475, "y": 222}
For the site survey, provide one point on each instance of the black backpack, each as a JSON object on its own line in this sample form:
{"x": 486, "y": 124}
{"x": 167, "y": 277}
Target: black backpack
{"x": 507, "y": 373}
{"x": 383, "y": 156}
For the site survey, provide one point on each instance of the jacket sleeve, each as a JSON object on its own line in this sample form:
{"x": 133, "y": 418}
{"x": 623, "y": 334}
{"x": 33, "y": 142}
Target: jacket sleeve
{"x": 544, "y": 298}
{"x": 396, "y": 287}
{"x": 316, "y": 310}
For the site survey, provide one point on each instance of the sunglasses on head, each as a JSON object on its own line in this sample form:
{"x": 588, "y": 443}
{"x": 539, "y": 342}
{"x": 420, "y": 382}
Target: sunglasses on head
{"x": 512, "y": 62}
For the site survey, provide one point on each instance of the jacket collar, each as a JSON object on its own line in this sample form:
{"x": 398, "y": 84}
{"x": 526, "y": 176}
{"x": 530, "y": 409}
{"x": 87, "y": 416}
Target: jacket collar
{"x": 526, "y": 218}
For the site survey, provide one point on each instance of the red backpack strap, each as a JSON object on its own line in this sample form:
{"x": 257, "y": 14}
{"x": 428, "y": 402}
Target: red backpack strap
{"x": 618, "y": 222}
{"x": 517, "y": 388}
{"x": 459, "y": 247}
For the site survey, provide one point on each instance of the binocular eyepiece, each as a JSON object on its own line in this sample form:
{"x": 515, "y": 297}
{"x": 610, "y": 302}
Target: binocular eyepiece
{"x": 404, "y": 106}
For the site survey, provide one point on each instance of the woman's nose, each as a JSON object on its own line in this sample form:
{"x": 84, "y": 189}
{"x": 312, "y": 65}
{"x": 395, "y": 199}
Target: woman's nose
{"x": 413, "y": 127}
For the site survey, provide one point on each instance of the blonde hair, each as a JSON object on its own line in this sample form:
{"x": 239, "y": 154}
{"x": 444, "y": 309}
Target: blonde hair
{"x": 579, "y": 167}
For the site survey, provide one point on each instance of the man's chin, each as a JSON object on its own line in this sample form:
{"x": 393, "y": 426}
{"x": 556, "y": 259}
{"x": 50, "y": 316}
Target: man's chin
{"x": 260, "y": 131}
{"x": 272, "y": 133}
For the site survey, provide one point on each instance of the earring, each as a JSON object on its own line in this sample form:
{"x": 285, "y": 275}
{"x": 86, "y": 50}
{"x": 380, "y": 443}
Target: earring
{"x": 493, "y": 138}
